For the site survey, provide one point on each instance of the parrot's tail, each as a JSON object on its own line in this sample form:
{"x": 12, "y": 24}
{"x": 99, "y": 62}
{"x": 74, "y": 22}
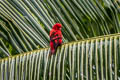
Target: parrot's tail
{"x": 52, "y": 52}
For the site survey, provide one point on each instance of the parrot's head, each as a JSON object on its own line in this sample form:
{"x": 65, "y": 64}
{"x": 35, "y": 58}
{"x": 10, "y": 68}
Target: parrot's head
{"x": 57, "y": 26}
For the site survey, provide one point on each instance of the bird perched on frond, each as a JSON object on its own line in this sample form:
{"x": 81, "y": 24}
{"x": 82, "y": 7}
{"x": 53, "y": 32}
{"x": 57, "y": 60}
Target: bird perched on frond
{"x": 55, "y": 38}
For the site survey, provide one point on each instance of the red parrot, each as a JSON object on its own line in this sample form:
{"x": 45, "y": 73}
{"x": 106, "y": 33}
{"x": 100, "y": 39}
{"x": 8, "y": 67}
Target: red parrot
{"x": 55, "y": 38}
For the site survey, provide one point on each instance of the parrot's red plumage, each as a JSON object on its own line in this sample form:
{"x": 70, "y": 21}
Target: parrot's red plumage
{"x": 55, "y": 38}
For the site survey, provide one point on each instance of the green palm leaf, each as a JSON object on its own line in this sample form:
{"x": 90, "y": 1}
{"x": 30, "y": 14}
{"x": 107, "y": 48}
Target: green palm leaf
{"x": 93, "y": 58}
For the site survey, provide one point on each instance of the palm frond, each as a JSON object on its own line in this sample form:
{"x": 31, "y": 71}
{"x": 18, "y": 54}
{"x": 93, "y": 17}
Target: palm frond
{"x": 94, "y": 58}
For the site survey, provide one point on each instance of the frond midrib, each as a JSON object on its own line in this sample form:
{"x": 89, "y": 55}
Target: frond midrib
{"x": 87, "y": 39}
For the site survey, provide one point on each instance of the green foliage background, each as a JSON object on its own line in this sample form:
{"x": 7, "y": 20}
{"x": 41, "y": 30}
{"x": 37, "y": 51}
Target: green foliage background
{"x": 25, "y": 25}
